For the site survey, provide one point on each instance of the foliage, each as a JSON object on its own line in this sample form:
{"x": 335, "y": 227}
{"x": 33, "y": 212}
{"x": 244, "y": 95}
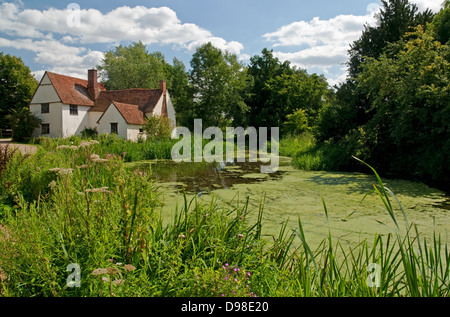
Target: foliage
{"x": 17, "y": 86}
{"x": 296, "y": 123}
{"x": 132, "y": 66}
{"x": 89, "y": 133}
{"x": 158, "y": 127}
{"x": 219, "y": 84}
{"x": 262, "y": 69}
{"x": 441, "y": 24}
{"x": 23, "y": 123}
{"x": 394, "y": 20}
{"x": 410, "y": 101}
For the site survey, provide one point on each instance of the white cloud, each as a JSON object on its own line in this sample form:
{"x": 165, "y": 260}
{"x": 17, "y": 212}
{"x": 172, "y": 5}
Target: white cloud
{"x": 149, "y": 25}
{"x": 324, "y": 43}
{"x": 65, "y": 59}
{"x": 59, "y": 37}
{"x": 433, "y": 5}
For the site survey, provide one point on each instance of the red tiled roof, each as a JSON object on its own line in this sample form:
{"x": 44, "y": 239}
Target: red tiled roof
{"x": 131, "y": 103}
{"x": 130, "y": 113}
{"x": 145, "y": 99}
{"x": 72, "y": 90}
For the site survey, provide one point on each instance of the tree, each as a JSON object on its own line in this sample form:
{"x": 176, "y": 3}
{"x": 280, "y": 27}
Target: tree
{"x": 181, "y": 93}
{"x": 133, "y": 66}
{"x": 410, "y": 131}
{"x": 158, "y": 127}
{"x": 441, "y": 24}
{"x": 17, "y": 86}
{"x": 394, "y": 20}
{"x": 263, "y": 68}
{"x": 22, "y": 123}
{"x": 219, "y": 83}
{"x": 290, "y": 92}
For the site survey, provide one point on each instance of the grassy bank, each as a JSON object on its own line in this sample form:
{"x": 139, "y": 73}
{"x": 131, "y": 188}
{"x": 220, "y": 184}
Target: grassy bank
{"x": 75, "y": 204}
{"x": 309, "y": 155}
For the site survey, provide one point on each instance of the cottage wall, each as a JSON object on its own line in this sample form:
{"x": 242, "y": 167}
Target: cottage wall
{"x": 112, "y": 115}
{"x": 46, "y": 93}
{"x": 74, "y": 124}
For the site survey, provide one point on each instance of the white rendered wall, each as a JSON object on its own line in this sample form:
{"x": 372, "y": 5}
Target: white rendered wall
{"x": 74, "y": 124}
{"x": 133, "y": 132}
{"x": 112, "y": 115}
{"x": 46, "y": 93}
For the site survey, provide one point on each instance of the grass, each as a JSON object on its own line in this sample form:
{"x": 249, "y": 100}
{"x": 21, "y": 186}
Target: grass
{"x": 78, "y": 204}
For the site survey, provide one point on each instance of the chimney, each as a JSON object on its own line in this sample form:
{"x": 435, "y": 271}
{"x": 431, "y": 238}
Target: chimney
{"x": 93, "y": 89}
{"x": 162, "y": 86}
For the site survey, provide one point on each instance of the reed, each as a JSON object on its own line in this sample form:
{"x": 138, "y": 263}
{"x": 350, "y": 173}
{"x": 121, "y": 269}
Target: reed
{"x": 89, "y": 209}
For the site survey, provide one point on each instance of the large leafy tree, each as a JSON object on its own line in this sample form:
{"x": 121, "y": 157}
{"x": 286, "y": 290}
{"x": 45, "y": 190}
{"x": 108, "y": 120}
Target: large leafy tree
{"x": 410, "y": 131}
{"x": 132, "y": 66}
{"x": 219, "y": 84}
{"x": 17, "y": 86}
{"x": 289, "y": 93}
{"x": 395, "y": 18}
{"x": 264, "y": 68}
{"x": 441, "y": 24}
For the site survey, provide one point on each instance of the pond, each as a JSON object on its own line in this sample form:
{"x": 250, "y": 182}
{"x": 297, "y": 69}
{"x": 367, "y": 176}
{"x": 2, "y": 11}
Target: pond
{"x": 289, "y": 194}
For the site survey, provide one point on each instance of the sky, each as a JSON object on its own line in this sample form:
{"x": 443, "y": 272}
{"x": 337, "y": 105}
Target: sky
{"x": 70, "y": 37}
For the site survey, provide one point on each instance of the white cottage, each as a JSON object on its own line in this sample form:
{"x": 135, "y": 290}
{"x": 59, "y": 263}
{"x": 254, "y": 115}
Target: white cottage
{"x": 68, "y": 105}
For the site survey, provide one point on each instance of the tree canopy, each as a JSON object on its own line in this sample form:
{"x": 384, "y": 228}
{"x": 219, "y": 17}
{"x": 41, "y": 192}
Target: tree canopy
{"x": 17, "y": 86}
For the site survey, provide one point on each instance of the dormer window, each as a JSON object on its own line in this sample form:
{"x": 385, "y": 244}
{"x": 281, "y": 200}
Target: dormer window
{"x": 73, "y": 110}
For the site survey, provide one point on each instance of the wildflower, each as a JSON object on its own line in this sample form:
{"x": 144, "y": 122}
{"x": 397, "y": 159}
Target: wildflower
{"x": 83, "y": 166}
{"x": 94, "y": 157}
{"x": 99, "y": 272}
{"x": 84, "y": 144}
{"x": 240, "y": 236}
{"x": 61, "y": 171}
{"x": 52, "y": 184}
{"x": 63, "y": 147}
{"x": 129, "y": 267}
{"x": 105, "y": 279}
{"x": 112, "y": 271}
{"x": 118, "y": 282}
{"x": 97, "y": 190}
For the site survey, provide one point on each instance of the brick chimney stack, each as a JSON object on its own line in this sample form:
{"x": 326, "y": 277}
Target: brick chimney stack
{"x": 93, "y": 89}
{"x": 163, "y": 86}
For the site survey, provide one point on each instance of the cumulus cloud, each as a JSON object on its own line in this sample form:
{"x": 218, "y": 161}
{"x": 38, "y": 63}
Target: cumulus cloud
{"x": 58, "y": 36}
{"x": 149, "y": 25}
{"x": 433, "y": 5}
{"x": 324, "y": 43}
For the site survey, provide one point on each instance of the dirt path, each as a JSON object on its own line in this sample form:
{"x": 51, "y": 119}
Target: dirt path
{"x": 23, "y": 148}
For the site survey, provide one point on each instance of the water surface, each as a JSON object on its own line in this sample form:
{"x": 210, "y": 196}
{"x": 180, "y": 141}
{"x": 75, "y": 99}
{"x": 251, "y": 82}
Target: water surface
{"x": 290, "y": 193}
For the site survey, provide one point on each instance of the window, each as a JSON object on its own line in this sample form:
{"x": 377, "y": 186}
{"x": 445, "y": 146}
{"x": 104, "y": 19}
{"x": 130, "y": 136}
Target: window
{"x": 45, "y": 108}
{"x": 114, "y": 128}
{"x": 45, "y": 128}
{"x": 73, "y": 110}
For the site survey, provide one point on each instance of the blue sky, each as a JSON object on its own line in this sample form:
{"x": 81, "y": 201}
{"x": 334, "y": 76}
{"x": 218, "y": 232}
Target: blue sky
{"x": 68, "y": 37}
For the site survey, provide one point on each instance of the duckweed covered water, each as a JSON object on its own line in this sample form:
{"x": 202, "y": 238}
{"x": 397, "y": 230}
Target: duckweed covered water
{"x": 353, "y": 214}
